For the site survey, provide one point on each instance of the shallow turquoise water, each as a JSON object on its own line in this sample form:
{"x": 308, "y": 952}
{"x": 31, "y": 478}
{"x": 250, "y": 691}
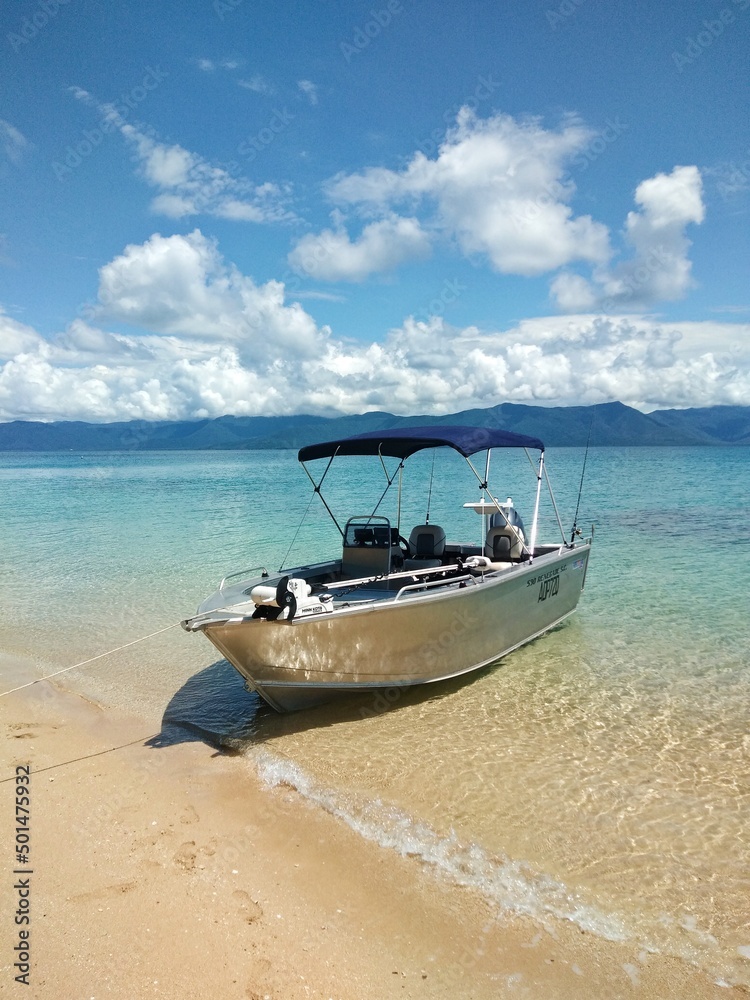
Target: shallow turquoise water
{"x": 600, "y": 774}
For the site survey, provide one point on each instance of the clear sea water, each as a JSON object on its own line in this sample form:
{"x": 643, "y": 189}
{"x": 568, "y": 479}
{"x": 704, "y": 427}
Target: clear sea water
{"x": 599, "y": 775}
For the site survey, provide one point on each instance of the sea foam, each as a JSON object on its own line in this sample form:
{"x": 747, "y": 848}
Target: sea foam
{"x": 514, "y": 886}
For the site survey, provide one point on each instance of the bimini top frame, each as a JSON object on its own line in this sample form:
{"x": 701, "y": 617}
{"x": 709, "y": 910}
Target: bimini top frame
{"x": 403, "y": 442}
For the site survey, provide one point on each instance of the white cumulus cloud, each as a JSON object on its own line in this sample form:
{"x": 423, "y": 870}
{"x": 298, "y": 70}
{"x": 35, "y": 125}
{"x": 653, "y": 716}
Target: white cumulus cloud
{"x": 180, "y": 285}
{"x": 206, "y": 340}
{"x": 498, "y": 187}
{"x": 332, "y": 256}
{"x": 16, "y": 338}
{"x": 501, "y": 191}
{"x": 188, "y": 183}
{"x": 659, "y": 268}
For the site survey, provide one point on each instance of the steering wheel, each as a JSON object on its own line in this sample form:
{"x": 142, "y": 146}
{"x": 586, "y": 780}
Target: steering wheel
{"x": 404, "y": 546}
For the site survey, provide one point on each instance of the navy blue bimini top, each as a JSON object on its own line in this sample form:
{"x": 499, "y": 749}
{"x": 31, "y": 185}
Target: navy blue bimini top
{"x": 404, "y": 441}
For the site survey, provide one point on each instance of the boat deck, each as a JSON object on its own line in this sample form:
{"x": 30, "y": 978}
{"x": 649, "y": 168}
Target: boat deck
{"x": 364, "y": 595}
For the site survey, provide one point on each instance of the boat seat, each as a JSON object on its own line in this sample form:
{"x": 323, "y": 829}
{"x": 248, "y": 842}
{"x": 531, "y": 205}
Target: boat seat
{"x": 427, "y": 543}
{"x": 370, "y": 547}
{"x": 502, "y": 544}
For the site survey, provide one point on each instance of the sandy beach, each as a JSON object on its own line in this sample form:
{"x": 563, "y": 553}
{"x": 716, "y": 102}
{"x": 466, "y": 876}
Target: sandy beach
{"x": 171, "y": 871}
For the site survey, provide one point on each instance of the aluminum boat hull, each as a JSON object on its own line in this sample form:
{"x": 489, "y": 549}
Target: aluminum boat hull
{"x": 424, "y": 637}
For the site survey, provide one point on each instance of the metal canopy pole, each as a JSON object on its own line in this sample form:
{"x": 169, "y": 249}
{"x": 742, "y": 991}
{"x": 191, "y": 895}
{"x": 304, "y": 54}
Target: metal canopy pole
{"x": 536, "y": 504}
{"x": 400, "y": 482}
{"x": 484, "y": 488}
{"x": 485, "y": 519}
{"x": 316, "y": 489}
{"x": 552, "y": 498}
{"x": 389, "y": 483}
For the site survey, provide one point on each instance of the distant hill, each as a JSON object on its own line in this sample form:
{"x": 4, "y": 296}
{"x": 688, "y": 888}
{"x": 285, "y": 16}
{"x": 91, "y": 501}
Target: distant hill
{"x": 610, "y": 424}
{"x": 713, "y": 424}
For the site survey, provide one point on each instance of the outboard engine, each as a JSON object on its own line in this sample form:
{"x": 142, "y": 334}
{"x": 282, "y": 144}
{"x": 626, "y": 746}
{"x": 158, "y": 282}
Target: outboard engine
{"x": 510, "y": 516}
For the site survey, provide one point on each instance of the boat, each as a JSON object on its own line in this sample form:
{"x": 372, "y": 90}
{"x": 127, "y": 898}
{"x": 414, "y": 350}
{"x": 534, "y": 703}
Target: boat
{"x": 387, "y": 610}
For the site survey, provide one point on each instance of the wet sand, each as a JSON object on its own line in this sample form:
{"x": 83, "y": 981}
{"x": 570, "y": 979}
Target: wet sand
{"x": 168, "y": 870}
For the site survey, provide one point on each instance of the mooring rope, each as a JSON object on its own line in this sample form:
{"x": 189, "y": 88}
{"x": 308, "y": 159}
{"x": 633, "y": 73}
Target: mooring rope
{"x": 87, "y": 756}
{"x": 133, "y": 642}
{"x": 90, "y": 660}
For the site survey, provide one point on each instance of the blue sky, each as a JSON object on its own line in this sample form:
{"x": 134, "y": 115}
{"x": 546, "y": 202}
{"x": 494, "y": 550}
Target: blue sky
{"x": 219, "y": 206}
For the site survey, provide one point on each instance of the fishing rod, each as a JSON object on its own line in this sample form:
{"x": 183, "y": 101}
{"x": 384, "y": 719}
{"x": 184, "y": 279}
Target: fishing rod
{"x": 575, "y": 530}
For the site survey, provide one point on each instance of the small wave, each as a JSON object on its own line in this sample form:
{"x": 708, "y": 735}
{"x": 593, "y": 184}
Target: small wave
{"x": 514, "y": 886}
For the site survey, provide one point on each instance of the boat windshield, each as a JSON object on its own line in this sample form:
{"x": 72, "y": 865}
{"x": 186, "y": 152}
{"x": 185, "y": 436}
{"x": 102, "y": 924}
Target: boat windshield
{"x": 370, "y": 531}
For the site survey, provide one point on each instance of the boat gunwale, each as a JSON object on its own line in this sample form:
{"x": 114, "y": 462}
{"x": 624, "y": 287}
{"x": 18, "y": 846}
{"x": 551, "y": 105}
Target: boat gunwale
{"x": 444, "y": 589}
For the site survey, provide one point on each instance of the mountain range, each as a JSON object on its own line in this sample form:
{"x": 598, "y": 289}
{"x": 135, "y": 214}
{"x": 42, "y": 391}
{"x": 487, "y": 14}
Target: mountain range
{"x": 607, "y": 424}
